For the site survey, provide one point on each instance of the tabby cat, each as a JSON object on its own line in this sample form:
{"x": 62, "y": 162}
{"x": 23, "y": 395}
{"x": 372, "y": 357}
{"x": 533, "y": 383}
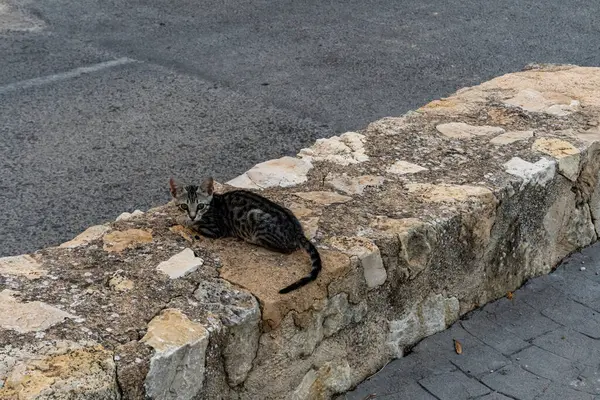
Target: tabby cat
{"x": 248, "y": 216}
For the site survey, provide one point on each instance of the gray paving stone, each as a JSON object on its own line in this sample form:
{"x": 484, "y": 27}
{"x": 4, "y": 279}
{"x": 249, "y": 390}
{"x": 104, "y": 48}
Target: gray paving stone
{"x": 445, "y": 340}
{"x": 479, "y": 360}
{"x": 577, "y": 287}
{"x": 570, "y": 344}
{"x": 547, "y": 365}
{"x": 388, "y": 389}
{"x": 422, "y": 395}
{"x": 454, "y": 386}
{"x": 418, "y": 365}
{"x": 515, "y": 382}
{"x": 500, "y": 306}
{"x": 523, "y": 320}
{"x": 581, "y": 318}
{"x": 588, "y": 380}
{"x": 559, "y": 392}
{"x": 542, "y": 298}
{"x": 587, "y": 258}
{"x": 494, "y": 396}
{"x": 476, "y": 359}
{"x": 495, "y": 336}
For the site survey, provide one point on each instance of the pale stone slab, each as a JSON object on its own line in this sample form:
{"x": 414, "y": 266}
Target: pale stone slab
{"x": 324, "y": 197}
{"x": 448, "y": 193}
{"x": 539, "y": 173}
{"x": 548, "y": 102}
{"x": 461, "y": 130}
{"x": 34, "y": 316}
{"x": 125, "y": 216}
{"x": 23, "y": 265}
{"x": 282, "y": 172}
{"x": 343, "y": 150}
{"x": 180, "y": 264}
{"x": 90, "y": 234}
{"x": 118, "y": 241}
{"x": 568, "y": 156}
{"x": 243, "y": 181}
{"x": 404, "y": 167}
{"x": 353, "y": 184}
{"x": 178, "y": 364}
{"x": 511, "y": 137}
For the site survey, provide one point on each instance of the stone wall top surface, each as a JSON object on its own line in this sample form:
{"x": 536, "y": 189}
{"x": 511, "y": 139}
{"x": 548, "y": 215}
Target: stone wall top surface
{"x": 381, "y": 205}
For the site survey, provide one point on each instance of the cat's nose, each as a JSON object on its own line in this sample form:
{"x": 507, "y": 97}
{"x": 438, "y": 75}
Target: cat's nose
{"x": 192, "y": 216}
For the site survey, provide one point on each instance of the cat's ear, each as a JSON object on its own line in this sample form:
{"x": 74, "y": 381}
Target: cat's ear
{"x": 208, "y": 186}
{"x": 175, "y": 187}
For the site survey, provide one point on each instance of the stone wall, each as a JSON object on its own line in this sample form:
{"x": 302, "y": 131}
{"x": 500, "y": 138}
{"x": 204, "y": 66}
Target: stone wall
{"x": 419, "y": 219}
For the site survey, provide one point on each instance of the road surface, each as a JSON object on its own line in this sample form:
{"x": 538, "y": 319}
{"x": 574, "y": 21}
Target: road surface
{"x": 101, "y": 100}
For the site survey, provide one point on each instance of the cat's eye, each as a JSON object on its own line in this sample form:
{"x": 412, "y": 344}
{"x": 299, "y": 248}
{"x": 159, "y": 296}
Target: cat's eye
{"x": 201, "y": 206}
{"x": 184, "y": 207}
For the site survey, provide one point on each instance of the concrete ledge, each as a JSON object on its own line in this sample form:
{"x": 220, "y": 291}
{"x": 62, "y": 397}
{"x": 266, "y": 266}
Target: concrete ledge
{"x": 419, "y": 220}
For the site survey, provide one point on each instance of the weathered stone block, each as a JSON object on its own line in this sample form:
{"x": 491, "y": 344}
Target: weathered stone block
{"x": 177, "y": 366}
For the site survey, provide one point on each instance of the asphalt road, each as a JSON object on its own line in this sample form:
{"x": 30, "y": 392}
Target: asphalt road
{"x": 214, "y": 87}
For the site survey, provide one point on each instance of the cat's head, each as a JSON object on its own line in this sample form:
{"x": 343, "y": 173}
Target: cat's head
{"x": 195, "y": 200}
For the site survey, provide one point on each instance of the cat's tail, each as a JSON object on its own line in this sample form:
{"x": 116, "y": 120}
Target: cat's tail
{"x": 315, "y": 260}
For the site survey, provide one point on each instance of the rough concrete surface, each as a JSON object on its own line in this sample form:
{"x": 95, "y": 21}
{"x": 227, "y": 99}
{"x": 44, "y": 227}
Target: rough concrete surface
{"x": 145, "y": 305}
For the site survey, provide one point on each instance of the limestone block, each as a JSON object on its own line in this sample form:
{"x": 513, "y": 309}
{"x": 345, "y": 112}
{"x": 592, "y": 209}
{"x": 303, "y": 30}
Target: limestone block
{"x": 434, "y": 314}
{"x": 450, "y": 193}
{"x": 180, "y": 264}
{"x": 353, "y": 184}
{"x": 417, "y": 241}
{"x": 120, "y": 283}
{"x": 511, "y": 137}
{"x": 332, "y": 377}
{"x": 461, "y": 130}
{"x": 552, "y": 103}
{"x": 58, "y": 371}
{"x": 367, "y": 253}
{"x": 568, "y": 156}
{"x": 90, "y": 234}
{"x": 343, "y": 150}
{"x": 117, "y": 241}
{"x": 178, "y": 364}
{"x": 568, "y": 225}
{"x": 241, "y": 317}
{"x": 323, "y": 197}
{"x": 125, "y": 216}
{"x": 282, "y": 172}
{"x": 243, "y": 181}
{"x": 23, "y": 265}
{"x": 403, "y": 167}
{"x": 258, "y": 272}
{"x": 339, "y": 313}
{"x": 34, "y": 316}
{"x": 538, "y": 173}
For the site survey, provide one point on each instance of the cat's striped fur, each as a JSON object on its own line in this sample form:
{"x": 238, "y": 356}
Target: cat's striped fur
{"x": 248, "y": 216}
